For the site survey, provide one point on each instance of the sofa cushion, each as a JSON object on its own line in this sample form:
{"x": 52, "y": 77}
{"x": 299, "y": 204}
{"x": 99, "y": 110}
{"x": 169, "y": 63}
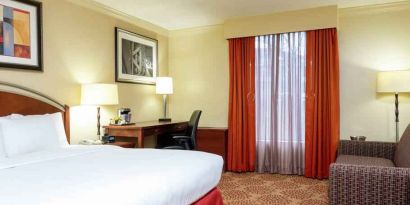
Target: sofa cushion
{"x": 364, "y": 161}
{"x": 402, "y": 154}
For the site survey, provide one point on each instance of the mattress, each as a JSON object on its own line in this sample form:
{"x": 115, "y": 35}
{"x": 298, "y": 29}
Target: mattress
{"x": 108, "y": 175}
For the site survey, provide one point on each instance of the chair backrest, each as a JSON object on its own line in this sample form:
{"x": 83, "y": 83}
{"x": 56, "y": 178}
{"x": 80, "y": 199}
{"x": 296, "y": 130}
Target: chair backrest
{"x": 402, "y": 154}
{"x": 193, "y": 126}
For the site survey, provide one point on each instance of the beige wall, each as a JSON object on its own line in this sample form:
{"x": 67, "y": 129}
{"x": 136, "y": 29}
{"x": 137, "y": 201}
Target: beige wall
{"x": 372, "y": 39}
{"x": 198, "y": 63}
{"x": 282, "y": 22}
{"x": 79, "y": 48}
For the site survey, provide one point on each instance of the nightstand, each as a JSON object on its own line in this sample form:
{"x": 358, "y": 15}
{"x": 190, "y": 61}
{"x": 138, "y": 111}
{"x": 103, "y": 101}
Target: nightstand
{"x": 122, "y": 144}
{"x": 213, "y": 140}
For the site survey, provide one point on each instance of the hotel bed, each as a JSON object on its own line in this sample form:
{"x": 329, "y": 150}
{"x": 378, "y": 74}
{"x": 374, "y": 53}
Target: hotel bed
{"x": 80, "y": 174}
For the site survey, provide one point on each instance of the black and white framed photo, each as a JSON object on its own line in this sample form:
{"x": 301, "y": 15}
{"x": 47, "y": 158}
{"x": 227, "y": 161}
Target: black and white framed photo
{"x": 21, "y": 34}
{"x": 136, "y": 58}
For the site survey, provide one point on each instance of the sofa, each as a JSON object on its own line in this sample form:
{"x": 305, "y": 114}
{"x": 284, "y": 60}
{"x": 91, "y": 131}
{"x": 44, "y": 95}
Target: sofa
{"x": 371, "y": 173}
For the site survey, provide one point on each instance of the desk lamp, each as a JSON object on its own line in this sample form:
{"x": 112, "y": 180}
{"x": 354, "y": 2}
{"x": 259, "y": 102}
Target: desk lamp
{"x": 99, "y": 94}
{"x": 164, "y": 87}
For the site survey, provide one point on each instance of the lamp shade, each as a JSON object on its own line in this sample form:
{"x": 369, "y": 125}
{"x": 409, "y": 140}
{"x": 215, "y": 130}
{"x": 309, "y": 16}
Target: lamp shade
{"x": 99, "y": 94}
{"x": 393, "y": 82}
{"x": 164, "y": 85}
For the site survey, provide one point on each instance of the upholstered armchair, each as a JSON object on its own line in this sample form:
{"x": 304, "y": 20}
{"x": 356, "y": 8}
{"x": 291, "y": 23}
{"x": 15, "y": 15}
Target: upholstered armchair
{"x": 371, "y": 173}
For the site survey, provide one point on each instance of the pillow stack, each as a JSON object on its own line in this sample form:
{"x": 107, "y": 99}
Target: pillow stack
{"x": 26, "y": 134}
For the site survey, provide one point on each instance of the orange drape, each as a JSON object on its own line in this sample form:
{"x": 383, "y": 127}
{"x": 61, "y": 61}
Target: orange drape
{"x": 322, "y": 102}
{"x": 241, "y": 119}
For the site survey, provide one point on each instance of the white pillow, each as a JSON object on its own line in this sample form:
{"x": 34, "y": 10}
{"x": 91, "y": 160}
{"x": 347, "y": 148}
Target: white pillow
{"x": 2, "y": 152}
{"x": 56, "y": 119}
{"x": 32, "y": 133}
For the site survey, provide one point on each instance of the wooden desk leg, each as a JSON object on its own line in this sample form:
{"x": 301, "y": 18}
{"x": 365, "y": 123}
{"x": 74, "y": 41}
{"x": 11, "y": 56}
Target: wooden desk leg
{"x": 140, "y": 137}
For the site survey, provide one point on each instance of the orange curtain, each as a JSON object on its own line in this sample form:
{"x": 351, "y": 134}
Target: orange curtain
{"x": 241, "y": 120}
{"x": 322, "y": 102}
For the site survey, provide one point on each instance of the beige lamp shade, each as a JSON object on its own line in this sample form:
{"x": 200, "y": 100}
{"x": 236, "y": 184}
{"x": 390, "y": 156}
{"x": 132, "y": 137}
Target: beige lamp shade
{"x": 393, "y": 82}
{"x": 164, "y": 85}
{"x": 99, "y": 94}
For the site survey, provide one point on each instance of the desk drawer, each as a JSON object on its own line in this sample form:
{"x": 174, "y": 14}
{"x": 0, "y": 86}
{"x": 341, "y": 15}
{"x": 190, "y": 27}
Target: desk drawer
{"x": 165, "y": 129}
{"x": 121, "y": 132}
{"x": 154, "y": 131}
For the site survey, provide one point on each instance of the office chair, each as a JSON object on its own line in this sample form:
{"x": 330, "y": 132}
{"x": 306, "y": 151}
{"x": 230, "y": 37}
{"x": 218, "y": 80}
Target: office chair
{"x": 188, "y": 141}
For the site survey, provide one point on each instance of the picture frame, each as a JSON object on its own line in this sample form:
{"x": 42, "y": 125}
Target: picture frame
{"x": 21, "y": 45}
{"x": 135, "y": 58}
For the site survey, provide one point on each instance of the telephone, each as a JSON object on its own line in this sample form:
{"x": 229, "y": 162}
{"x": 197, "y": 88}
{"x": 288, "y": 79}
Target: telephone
{"x": 91, "y": 142}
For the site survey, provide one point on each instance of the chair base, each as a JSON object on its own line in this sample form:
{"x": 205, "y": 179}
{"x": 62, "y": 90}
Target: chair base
{"x": 164, "y": 119}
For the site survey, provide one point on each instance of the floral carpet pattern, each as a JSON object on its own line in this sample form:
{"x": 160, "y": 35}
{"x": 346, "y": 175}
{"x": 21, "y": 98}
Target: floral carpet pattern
{"x": 272, "y": 189}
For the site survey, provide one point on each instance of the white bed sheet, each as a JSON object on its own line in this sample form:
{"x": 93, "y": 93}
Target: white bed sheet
{"x": 108, "y": 175}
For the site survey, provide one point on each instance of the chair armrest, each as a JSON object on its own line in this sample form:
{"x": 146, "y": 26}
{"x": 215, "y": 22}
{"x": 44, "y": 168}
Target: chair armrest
{"x": 178, "y": 134}
{"x": 172, "y": 134}
{"x": 354, "y": 184}
{"x": 369, "y": 149}
{"x": 181, "y": 138}
{"x": 174, "y": 147}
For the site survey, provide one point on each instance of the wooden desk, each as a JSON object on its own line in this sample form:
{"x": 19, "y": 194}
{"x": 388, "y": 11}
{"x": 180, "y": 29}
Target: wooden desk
{"x": 143, "y": 129}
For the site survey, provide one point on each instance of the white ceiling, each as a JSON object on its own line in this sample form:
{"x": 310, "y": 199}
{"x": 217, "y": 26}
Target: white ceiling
{"x": 178, "y": 14}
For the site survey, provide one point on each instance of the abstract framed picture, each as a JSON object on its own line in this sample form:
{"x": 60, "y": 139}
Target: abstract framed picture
{"x": 136, "y": 58}
{"x": 21, "y": 34}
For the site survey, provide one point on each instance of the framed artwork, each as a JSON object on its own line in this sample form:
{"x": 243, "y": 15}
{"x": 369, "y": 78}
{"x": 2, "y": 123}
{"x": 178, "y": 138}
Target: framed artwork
{"x": 136, "y": 58}
{"x": 21, "y": 34}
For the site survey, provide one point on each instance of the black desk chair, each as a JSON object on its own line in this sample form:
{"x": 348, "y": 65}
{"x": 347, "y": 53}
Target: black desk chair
{"x": 188, "y": 141}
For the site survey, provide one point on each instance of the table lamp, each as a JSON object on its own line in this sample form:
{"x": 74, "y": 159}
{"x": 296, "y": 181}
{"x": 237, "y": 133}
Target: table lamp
{"x": 99, "y": 94}
{"x": 394, "y": 82}
{"x": 164, "y": 87}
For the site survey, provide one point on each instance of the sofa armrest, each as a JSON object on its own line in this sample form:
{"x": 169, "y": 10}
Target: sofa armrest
{"x": 369, "y": 149}
{"x": 353, "y": 184}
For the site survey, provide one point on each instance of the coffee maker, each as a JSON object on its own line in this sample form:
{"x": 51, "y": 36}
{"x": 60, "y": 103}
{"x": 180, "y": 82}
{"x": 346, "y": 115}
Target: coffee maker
{"x": 125, "y": 115}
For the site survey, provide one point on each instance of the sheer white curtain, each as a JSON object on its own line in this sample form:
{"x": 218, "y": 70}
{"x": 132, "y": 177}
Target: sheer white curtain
{"x": 280, "y": 102}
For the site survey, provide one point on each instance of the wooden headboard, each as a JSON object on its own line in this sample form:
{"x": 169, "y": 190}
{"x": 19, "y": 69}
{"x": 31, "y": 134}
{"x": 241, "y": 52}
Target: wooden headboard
{"x": 20, "y": 100}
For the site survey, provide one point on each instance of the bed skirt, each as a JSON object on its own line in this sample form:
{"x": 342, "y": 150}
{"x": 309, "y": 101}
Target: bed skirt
{"x": 213, "y": 197}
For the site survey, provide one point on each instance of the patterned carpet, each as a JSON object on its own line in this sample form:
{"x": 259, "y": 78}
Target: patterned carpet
{"x": 275, "y": 189}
